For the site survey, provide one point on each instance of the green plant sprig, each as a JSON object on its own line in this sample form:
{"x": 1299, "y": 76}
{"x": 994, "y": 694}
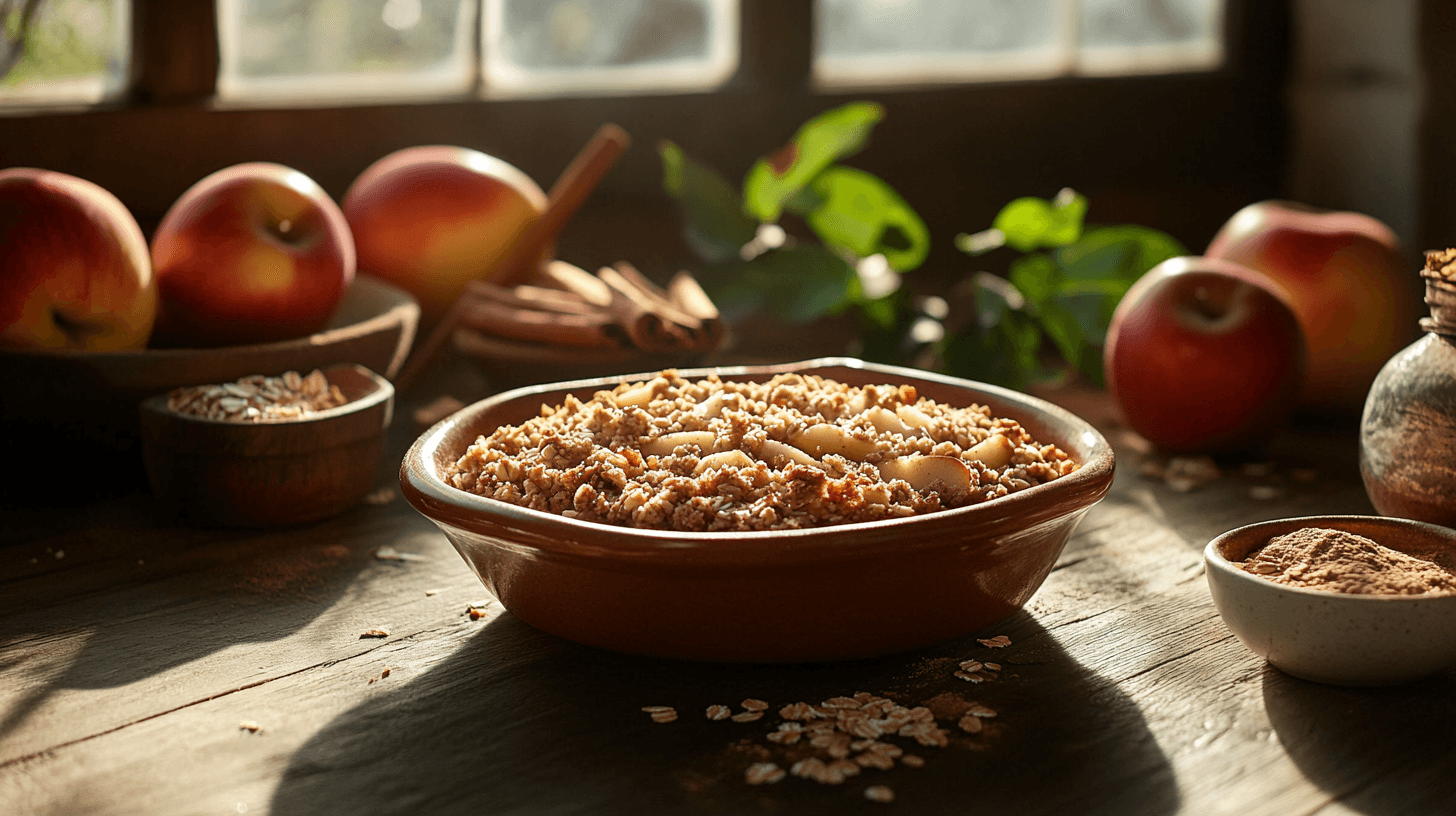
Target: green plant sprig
{"x": 750, "y": 265}
{"x": 1063, "y": 288}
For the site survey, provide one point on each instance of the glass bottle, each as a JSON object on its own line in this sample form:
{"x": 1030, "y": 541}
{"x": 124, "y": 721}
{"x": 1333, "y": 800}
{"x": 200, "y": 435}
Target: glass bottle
{"x": 1408, "y": 428}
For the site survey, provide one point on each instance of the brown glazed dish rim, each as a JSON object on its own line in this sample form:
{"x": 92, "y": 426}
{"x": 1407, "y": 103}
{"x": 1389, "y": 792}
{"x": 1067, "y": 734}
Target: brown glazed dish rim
{"x": 571, "y": 538}
{"x": 1235, "y": 540}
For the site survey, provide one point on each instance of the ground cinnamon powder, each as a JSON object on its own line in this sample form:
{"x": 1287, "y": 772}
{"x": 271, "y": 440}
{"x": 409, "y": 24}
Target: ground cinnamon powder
{"x": 1338, "y": 561}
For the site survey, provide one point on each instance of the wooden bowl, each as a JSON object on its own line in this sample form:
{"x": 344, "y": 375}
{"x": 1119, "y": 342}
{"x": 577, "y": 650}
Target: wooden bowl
{"x": 828, "y": 593}
{"x": 83, "y": 399}
{"x": 265, "y": 474}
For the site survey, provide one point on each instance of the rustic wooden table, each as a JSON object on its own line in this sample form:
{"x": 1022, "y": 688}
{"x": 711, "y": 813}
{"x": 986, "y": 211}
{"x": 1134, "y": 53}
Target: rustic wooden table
{"x": 152, "y": 669}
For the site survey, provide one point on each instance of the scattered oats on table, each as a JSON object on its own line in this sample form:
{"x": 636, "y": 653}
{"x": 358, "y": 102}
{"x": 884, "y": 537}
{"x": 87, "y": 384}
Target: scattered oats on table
{"x": 879, "y": 793}
{"x": 794, "y": 452}
{"x": 763, "y": 773}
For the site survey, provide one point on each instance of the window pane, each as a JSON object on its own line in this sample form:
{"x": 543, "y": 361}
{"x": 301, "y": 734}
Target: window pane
{"x": 605, "y": 46}
{"x": 1137, "y": 36}
{"x": 885, "y": 42}
{"x": 67, "y": 51}
{"x": 345, "y": 48}
{"x": 889, "y": 41}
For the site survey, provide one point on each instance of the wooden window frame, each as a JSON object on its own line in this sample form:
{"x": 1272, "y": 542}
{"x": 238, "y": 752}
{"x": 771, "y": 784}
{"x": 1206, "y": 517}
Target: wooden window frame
{"x": 1179, "y": 151}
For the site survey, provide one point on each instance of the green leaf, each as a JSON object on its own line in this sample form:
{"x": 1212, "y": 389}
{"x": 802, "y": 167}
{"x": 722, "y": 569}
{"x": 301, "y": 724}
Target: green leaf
{"x": 1091, "y": 310}
{"x": 881, "y": 312}
{"x": 714, "y": 222}
{"x": 1036, "y": 277}
{"x": 1029, "y": 224}
{"x": 804, "y": 201}
{"x": 735, "y": 296}
{"x": 822, "y": 141}
{"x": 864, "y": 216}
{"x": 1062, "y": 326}
{"x": 1005, "y": 354}
{"x": 819, "y": 282}
{"x": 994, "y": 297}
{"x": 796, "y": 284}
{"x": 1120, "y": 253}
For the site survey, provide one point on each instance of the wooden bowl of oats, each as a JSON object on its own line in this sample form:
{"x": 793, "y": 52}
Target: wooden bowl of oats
{"x": 819, "y": 510}
{"x": 1343, "y": 600}
{"x": 267, "y": 450}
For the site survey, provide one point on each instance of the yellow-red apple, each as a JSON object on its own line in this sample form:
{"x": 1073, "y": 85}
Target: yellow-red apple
{"x": 432, "y": 218}
{"x": 253, "y": 253}
{"x": 1204, "y": 355}
{"x": 1344, "y": 274}
{"x": 74, "y": 269}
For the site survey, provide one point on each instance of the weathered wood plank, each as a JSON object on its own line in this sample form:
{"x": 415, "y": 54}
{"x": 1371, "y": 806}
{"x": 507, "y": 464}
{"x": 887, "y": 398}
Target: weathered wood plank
{"x": 125, "y": 685}
{"x": 91, "y": 647}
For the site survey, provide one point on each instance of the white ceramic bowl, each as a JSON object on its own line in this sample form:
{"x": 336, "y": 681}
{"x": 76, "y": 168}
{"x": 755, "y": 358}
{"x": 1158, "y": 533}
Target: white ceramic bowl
{"x": 1333, "y": 637}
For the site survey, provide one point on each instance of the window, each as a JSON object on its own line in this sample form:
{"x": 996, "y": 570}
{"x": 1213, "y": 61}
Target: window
{"x": 879, "y": 42}
{"x": 321, "y": 49}
{"x": 344, "y": 51}
{"x": 64, "y": 50}
{"x": 534, "y": 47}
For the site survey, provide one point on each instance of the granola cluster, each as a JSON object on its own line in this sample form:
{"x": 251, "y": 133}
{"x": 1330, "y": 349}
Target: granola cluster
{"x": 712, "y": 455}
{"x": 1440, "y": 265}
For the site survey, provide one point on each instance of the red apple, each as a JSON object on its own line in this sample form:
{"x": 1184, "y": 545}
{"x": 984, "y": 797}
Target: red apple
{"x": 1204, "y": 355}
{"x": 432, "y": 218}
{"x": 1345, "y": 277}
{"x": 253, "y": 253}
{"x": 74, "y": 270}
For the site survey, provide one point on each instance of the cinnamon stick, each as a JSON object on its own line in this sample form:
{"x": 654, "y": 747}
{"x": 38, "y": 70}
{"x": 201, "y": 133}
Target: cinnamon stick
{"x": 687, "y": 294}
{"x": 576, "y": 182}
{"x": 515, "y": 352}
{"x": 578, "y": 281}
{"x": 653, "y": 293}
{"x": 554, "y": 328}
{"x": 530, "y": 297}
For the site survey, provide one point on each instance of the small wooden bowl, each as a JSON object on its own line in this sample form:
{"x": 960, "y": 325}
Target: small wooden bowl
{"x": 266, "y": 474}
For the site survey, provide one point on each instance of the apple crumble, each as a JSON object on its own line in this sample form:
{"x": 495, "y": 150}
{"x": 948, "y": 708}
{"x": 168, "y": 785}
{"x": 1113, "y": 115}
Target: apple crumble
{"x": 714, "y": 455}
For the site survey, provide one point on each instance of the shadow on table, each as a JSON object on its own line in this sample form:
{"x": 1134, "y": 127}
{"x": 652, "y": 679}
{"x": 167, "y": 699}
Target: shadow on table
{"x": 516, "y": 721}
{"x": 141, "y": 599}
{"x": 1380, "y": 751}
